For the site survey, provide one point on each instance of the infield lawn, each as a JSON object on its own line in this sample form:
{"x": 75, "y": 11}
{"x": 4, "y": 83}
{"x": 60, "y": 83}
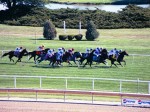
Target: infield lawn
{"x": 134, "y": 41}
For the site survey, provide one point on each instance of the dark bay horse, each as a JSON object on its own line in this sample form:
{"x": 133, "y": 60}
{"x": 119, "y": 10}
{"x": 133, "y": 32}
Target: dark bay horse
{"x": 119, "y": 59}
{"x": 37, "y": 54}
{"x": 74, "y": 57}
{"x": 54, "y": 59}
{"x": 67, "y": 57}
{"x": 64, "y": 58}
{"x": 100, "y": 59}
{"x": 11, "y": 54}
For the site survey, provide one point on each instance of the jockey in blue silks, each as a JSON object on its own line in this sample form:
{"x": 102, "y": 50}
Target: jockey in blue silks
{"x": 17, "y": 51}
{"x": 96, "y": 53}
{"x": 87, "y": 52}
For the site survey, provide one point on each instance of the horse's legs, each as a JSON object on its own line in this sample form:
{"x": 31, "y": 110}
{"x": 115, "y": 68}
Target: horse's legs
{"x": 124, "y": 62}
{"x": 120, "y": 63}
{"x": 112, "y": 63}
{"x": 30, "y": 58}
{"x": 37, "y": 58}
{"x": 85, "y": 64}
{"x": 10, "y": 57}
{"x": 69, "y": 62}
{"x": 91, "y": 64}
{"x": 81, "y": 61}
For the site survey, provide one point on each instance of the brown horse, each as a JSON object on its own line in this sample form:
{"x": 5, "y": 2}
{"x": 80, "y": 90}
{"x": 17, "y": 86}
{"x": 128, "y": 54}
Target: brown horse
{"x": 11, "y": 54}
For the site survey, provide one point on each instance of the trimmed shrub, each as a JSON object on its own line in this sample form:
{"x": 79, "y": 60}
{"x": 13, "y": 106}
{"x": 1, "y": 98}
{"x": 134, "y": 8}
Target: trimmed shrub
{"x": 78, "y": 37}
{"x": 63, "y": 37}
{"x": 70, "y": 37}
{"x": 91, "y": 33}
{"x": 49, "y": 31}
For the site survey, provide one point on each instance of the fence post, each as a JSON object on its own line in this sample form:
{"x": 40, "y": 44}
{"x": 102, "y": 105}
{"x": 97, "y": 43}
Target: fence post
{"x": 148, "y": 87}
{"x": 40, "y": 82}
{"x": 120, "y": 86}
{"x": 8, "y": 94}
{"x": 93, "y": 84}
{"x": 15, "y": 82}
{"x": 66, "y": 84}
{"x": 2, "y": 52}
{"x": 138, "y": 85}
{"x": 36, "y": 95}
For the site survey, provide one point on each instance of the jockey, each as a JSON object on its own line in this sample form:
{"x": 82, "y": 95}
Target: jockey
{"x": 110, "y": 52}
{"x": 63, "y": 49}
{"x": 50, "y": 53}
{"x": 97, "y": 51}
{"x": 91, "y": 50}
{"x": 114, "y": 52}
{"x": 71, "y": 51}
{"x": 41, "y": 48}
{"x": 17, "y": 51}
{"x": 118, "y": 52}
{"x": 87, "y": 52}
{"x": 59, "y": 54}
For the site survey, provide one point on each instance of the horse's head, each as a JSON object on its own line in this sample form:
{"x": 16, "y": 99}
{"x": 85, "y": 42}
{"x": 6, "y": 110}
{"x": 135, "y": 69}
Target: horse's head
{"x": 24, "y": 51}
{"x": 124, "y": 53}
{"x": 77, "y": 54}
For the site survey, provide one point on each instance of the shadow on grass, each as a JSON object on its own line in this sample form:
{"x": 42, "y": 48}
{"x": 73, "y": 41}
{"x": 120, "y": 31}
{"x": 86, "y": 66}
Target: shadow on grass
{"x": 11, "y": 63}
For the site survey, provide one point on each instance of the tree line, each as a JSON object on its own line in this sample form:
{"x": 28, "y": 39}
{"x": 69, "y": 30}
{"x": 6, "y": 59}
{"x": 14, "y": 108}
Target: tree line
{"x": 131, "y": 16}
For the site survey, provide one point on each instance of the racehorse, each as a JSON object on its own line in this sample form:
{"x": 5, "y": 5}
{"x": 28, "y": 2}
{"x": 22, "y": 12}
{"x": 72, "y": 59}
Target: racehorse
{"x": 54, "y": 59}
{"x": 37, "y": 53}
{"x": 83, "y": 57}
{"x": 12, "y": 54}
{"x": 119, "y": 59}
{"x": 100, "y": 59}
{"x": 67, "y": 57}
{"x": 73, "y": 57}
{"x": 58, "y": 61}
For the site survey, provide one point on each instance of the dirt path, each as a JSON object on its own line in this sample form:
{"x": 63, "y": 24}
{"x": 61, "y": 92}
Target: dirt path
{"x": 6, "y": 106}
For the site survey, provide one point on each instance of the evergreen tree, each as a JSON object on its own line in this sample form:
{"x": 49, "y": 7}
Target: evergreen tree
{"x": 91, "y": 33}
{"x": 49, "y": 31}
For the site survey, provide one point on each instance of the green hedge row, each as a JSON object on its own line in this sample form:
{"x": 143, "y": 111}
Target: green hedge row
{"x": 131, "y": 16}
{"x": 70, "y": 37}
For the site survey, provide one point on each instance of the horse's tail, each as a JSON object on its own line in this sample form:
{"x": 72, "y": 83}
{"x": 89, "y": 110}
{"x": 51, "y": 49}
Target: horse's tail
{"x": 5, "y": 54}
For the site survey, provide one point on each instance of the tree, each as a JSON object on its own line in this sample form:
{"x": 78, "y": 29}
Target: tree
{"x": 91, "y": 33}
{"x": 49, "y": 31}
{"x": 12, "y": 3}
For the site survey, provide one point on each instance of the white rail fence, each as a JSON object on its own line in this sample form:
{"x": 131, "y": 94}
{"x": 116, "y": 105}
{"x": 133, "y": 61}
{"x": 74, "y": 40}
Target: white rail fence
{"x": 75, "y": 83}
{"x": 90, "y": 94}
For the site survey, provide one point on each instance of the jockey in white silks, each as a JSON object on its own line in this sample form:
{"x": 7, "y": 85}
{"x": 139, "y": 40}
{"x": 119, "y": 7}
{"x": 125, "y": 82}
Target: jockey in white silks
{"x": 114, "y": 52}
{"x": 49, "y": 53}
{"x": 59, "y": 54}
{"x": 118, "y": 52}
{"x": 41, "y": 48}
